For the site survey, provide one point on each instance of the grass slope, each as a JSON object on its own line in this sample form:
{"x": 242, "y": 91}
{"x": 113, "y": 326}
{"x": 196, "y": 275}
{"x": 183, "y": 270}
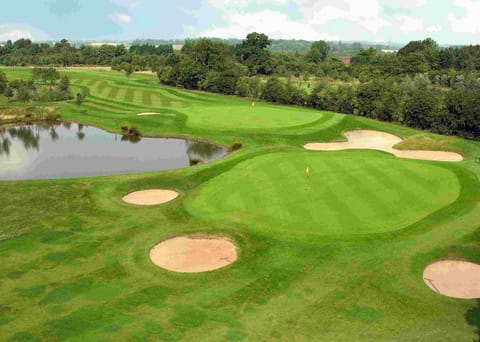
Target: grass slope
{"x": 74, "y": 257}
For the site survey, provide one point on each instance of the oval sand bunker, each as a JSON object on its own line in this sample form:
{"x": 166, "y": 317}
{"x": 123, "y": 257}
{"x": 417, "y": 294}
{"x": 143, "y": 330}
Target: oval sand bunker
{"x": 189, "y": 254}
{"x": 150, "y": 197}
{"x": 453, "y": 278}
{"x": 382, "y": 141}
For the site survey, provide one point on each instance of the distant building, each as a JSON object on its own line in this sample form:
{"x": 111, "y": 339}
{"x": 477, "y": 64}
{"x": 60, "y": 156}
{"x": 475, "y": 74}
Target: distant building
{"x": 389, "y": 51}
{"x": 346, "y": 59}
{"x": 177, "y": 47}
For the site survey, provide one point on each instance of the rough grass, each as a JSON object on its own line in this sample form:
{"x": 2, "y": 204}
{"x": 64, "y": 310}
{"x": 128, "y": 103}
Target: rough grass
{"x": 74, "y": 257}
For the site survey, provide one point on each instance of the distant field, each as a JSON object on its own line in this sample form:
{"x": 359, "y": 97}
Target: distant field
{"x": 335, "y": 253}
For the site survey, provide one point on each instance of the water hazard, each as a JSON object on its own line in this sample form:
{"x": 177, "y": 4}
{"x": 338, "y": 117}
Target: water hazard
{"x": 64, "y": 150}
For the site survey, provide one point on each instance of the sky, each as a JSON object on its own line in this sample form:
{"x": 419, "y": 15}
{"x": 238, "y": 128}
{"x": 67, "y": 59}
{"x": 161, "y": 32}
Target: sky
{"x": 447, "y": 21}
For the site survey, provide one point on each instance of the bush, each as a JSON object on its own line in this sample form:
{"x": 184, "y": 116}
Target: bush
{"x": 236, "y": 146}
{"x": 130, "y": 131}
{"x": 249, "y": 87}
{"x": 274, "y": 91}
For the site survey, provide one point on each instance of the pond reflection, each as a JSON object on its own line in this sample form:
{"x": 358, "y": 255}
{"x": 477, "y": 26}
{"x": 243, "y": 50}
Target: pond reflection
{"x": 61, "y": 151}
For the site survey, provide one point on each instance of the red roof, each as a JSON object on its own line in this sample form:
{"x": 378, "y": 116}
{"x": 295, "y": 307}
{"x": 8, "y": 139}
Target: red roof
{"x": 346, "y": 59}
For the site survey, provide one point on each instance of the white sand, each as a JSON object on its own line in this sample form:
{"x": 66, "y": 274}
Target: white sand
{"x": 381, "y": 141}
{"x": 150, "y": 197}
{"x": 148, "y": 113}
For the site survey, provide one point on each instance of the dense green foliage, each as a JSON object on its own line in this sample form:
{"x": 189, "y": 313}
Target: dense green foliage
{"x": 148, "y": 49}
{"x": 28, "y": 90}
{"x": 75, "y": 258}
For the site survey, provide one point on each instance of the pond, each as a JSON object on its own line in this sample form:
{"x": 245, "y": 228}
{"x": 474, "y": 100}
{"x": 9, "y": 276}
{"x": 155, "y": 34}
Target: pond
{"x": 65, "y": 150}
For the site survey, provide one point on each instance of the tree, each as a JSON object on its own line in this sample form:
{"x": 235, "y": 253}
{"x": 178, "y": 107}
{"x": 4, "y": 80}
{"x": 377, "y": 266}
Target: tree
{"x": 80, "y": 98}
{"x": 420, "y": 109}
{"x": 64, "y": 83}
{"x": 9, "y": 93}
{"x": 463, "y": 107}
{"x": 294, "y": 95}
{"x": 254, "y": 54}
{"x": 45, "y": 74}
{"x": 3, "y": 82}
{"x": 224, "y": 81}
{"x": 52, "y": 75}
{"x": 205, "y": 53}
{"x": 318, "y": 52}
{"x": 128, "y": 68}
{"x": 274, "y": 91}
{"x": 414, "y": 63}
{"x": 249, "y": 87}
{"x": 23, "y": 94}
{"x": 427, "y": 47}
{"x": 187, "y": 73}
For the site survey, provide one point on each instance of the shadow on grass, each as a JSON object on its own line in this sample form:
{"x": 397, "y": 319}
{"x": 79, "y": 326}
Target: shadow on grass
{"x": 472, "y": 316}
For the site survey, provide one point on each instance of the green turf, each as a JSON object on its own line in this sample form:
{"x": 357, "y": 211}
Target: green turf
{"x": 345, "y": 265}
{"x": 345, "y": 193}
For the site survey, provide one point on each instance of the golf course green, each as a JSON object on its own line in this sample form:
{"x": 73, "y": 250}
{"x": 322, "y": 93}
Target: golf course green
{"x": 345, "y": 193}
{"x": 331, "y": 246}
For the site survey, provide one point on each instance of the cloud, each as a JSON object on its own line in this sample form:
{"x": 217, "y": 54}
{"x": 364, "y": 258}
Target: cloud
{"x": 15, "y": 34}
{"x": 434, "y": 28}
{"x": 469, "y": 23}
{"x": 310, "y": 19}
{"x": 366, "y": 14}
{"x": 272, "y": 23}
{"x": 410, "y": 24}
{"x": 121, "y": 18}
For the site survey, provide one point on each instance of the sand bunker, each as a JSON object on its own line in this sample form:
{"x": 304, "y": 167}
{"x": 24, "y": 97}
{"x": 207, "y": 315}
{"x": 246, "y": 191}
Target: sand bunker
{"x": 453, "y": 278}
{"x": 150, "y": 197}
{"x": 148, "y": 113}
{"x": 192, "y": 254}
{"x": 375, "y": 140}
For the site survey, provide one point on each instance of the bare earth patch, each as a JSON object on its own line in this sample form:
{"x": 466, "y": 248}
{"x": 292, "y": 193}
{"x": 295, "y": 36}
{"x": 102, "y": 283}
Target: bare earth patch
{"x": 382, "y": 141}
{"x": 193, "y": 254}
{"x": 453, "y": 278}
{"x": 150, "y": 197}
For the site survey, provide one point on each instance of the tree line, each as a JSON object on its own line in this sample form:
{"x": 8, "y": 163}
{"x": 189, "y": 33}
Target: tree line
{"x": 422, "y": 85}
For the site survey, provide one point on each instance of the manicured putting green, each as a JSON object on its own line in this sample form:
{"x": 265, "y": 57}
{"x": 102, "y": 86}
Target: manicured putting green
{"x": 243, "y": 115}
{"x": 358, "y": 192}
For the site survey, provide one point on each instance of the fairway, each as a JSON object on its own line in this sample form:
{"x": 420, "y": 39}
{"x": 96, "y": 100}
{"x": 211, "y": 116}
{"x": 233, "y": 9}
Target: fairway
{"x": 310, "y": 245}
{"x": 345, "y": 193}
{"x": 112, "y": 91}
